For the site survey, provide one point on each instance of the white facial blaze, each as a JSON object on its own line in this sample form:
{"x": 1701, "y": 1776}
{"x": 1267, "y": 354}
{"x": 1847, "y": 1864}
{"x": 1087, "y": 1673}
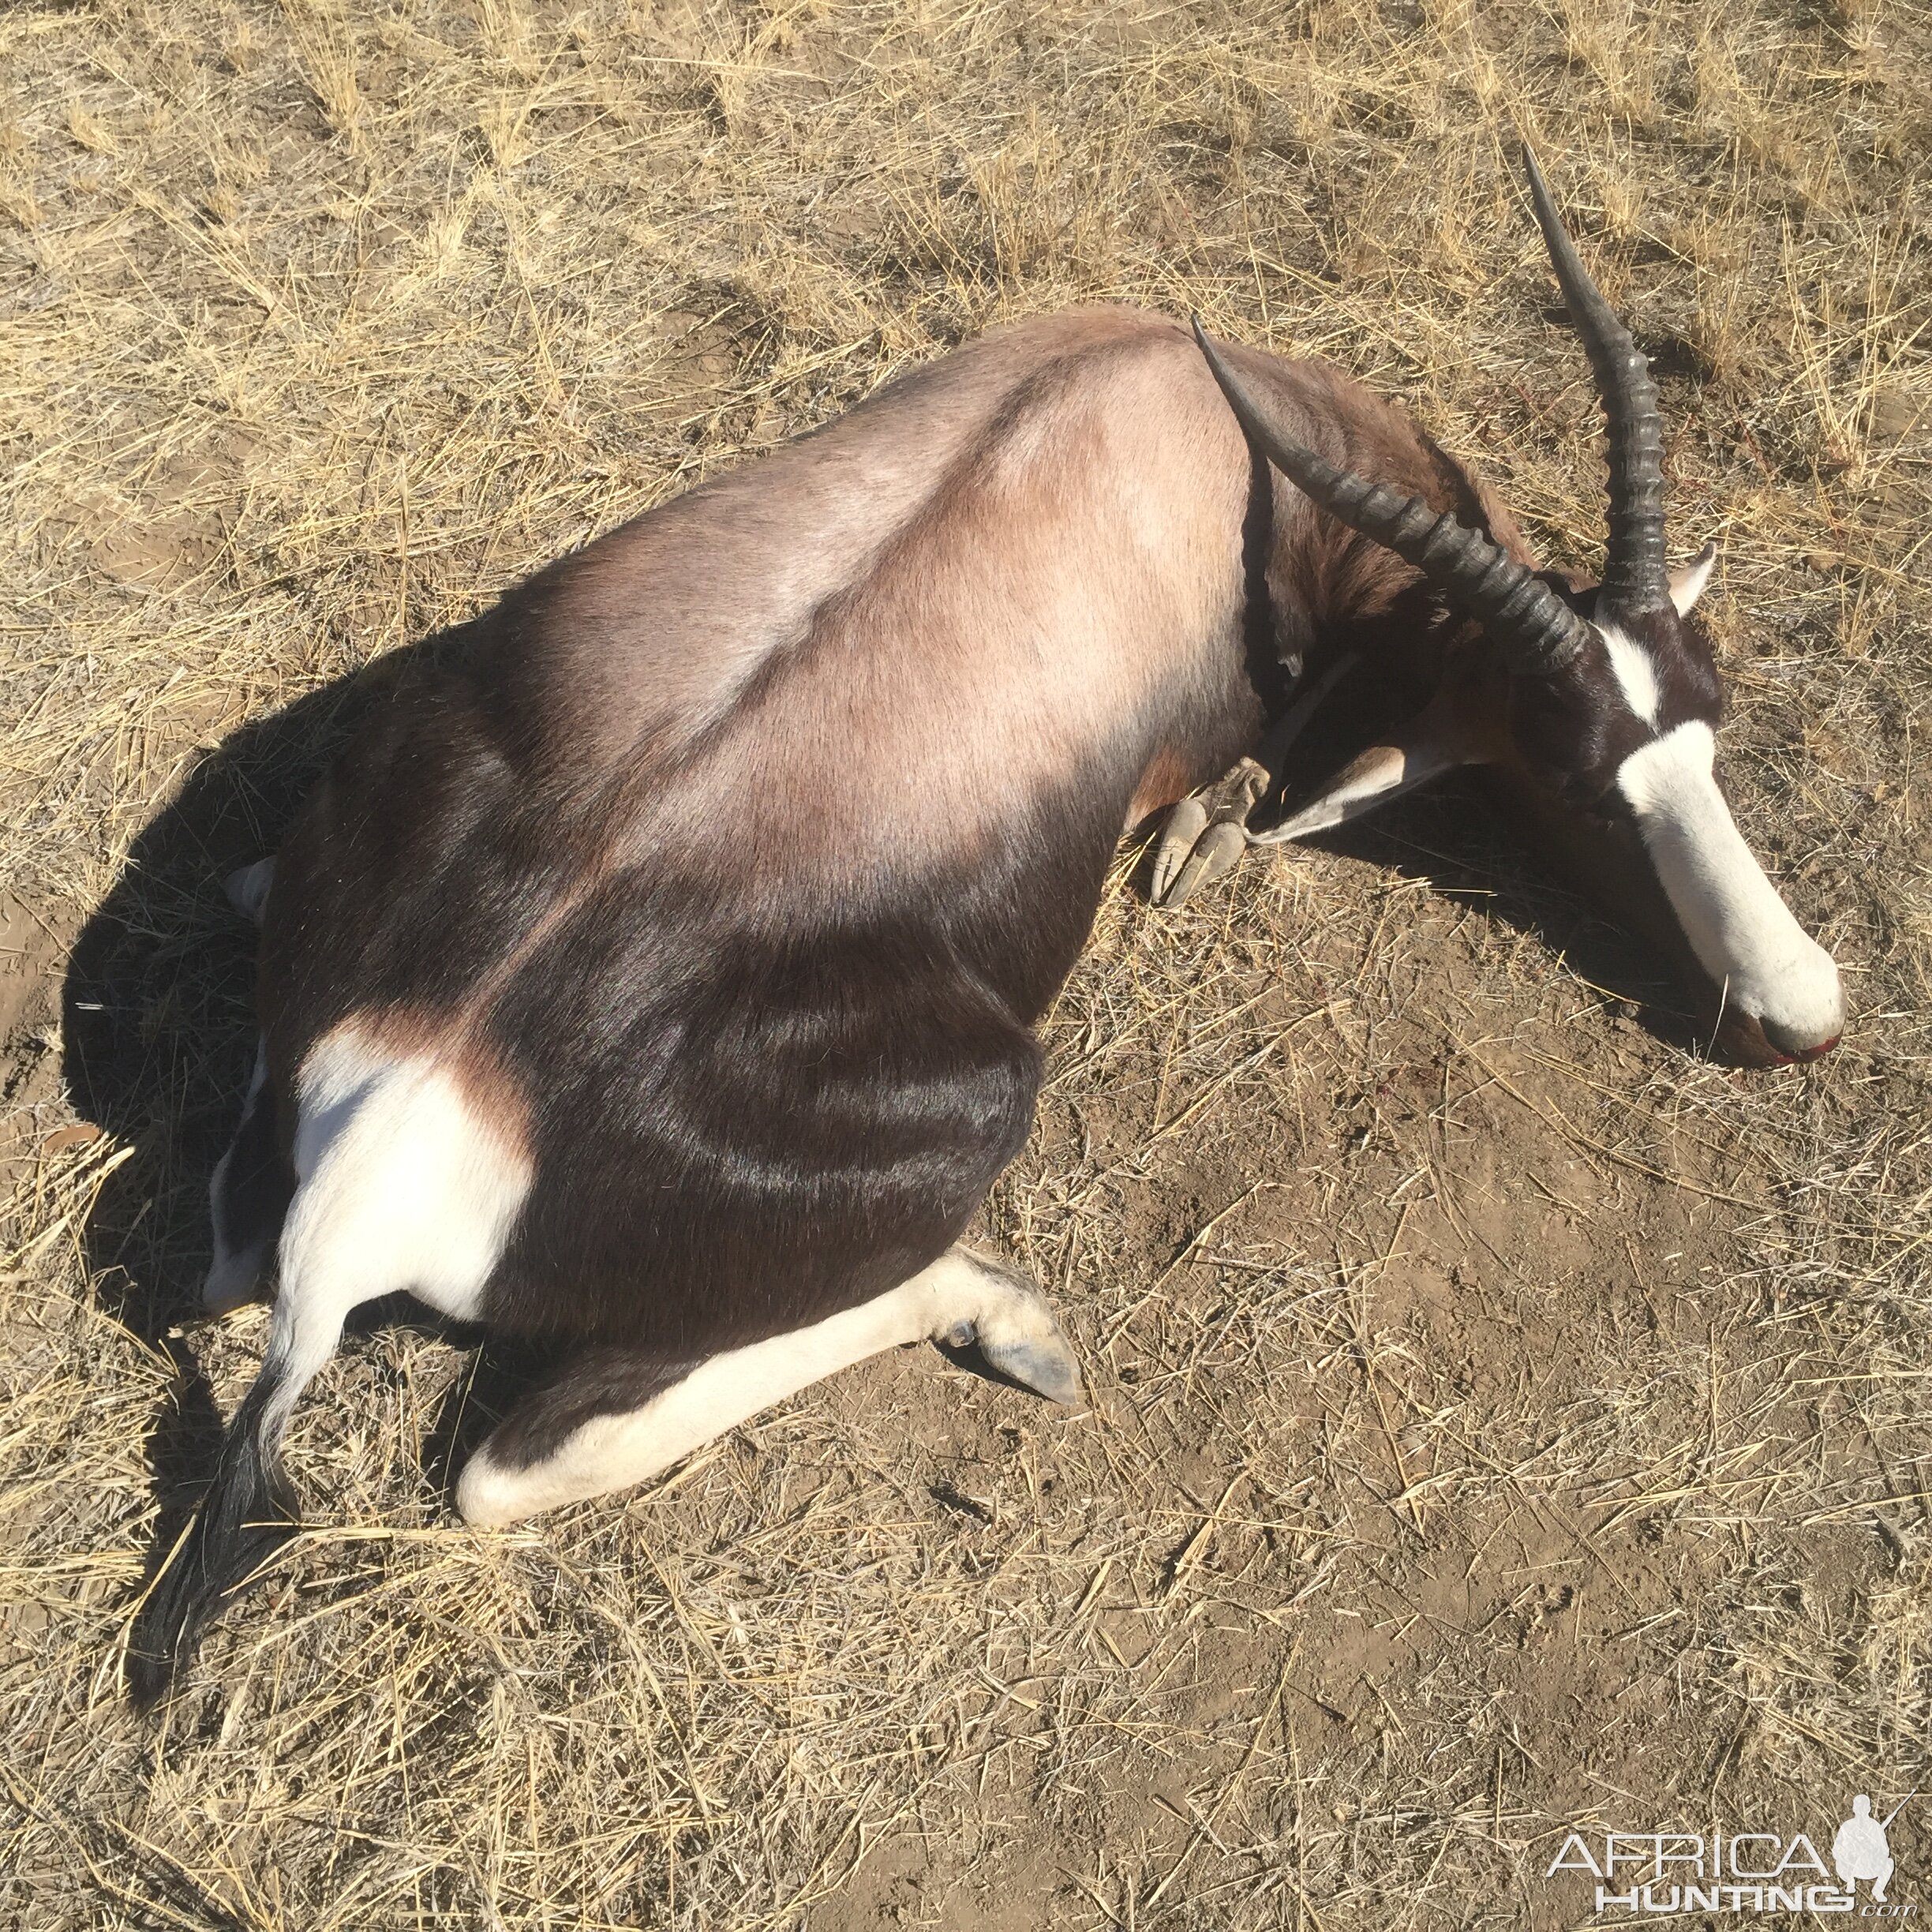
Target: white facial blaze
{"x": 1635, "y": 672}
{"x": 1741, "y": 931}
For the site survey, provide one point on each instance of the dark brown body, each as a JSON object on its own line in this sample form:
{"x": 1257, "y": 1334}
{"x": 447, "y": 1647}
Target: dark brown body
{"x": 733, "y": 866}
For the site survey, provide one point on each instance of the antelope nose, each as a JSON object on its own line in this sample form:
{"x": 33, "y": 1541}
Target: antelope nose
{"x": 1796, "y": 1046}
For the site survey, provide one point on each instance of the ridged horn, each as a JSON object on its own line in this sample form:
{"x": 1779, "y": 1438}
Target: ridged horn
{"x": 1635, "y": 579}
{"x": 1536, "y": 629}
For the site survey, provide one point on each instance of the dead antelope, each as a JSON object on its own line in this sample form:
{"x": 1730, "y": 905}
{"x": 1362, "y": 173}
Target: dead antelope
{"x": 655, "y": 982}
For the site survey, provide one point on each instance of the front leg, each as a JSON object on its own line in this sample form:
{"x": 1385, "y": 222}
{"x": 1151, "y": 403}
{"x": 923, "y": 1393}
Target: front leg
{"x": 1205, "y": 834}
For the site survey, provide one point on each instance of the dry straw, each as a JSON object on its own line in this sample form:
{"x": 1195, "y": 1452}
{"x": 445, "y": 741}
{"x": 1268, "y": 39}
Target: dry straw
{"x": 1503, "y": 1416}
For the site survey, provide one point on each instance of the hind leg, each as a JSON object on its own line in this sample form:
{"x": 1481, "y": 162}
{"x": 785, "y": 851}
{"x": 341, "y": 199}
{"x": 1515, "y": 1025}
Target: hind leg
{"x": 610, "y": 1419}
{"x": 249, "y": 1196}
{"x": 401, "y": 1182}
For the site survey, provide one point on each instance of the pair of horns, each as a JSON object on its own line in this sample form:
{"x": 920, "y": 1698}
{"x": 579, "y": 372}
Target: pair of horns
{"x": 1536, "y": 629}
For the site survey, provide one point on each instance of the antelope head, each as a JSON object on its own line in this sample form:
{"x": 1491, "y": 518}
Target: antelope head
{"x": 1597, "y": 706}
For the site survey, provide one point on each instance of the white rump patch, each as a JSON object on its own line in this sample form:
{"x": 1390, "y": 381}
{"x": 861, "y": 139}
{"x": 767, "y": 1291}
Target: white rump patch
{"x": 400, "y": 1185}
{"x": 1742, "y": 932}
{"x": 1635, "y": 671}
{"x": 957, "y": 1298}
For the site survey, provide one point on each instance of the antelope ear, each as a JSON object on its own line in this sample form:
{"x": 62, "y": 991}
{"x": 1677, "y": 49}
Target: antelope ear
{"x": 1422, "y": 750}
{"x": 1688, "y": 580}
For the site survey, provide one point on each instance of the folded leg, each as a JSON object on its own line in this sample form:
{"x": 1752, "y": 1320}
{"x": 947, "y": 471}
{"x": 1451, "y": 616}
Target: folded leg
{"x": 609, "y": 1418}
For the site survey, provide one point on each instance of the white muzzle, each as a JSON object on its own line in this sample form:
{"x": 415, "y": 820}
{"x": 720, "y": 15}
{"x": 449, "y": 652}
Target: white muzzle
{"x": 1742, "y": 932}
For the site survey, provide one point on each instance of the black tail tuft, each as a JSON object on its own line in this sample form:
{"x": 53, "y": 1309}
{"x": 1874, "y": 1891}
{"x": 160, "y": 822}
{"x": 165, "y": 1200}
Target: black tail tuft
{"x": 243, "y": 1519}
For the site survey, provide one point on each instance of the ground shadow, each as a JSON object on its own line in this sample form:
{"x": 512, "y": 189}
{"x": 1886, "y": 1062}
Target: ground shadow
{"x": 158, "y": 1029}
{"x": 1457, "y": 836}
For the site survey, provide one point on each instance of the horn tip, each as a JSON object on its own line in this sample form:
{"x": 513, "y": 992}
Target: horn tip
{"x": 1222, "y": 374}
{"x": 1533, "y": 172}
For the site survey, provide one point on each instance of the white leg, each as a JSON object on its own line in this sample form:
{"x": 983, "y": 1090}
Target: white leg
{"x": 959, "y": 1299}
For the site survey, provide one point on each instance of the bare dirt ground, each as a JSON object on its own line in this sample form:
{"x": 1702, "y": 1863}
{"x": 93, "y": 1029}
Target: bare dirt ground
{"x": 1503, "y": 1418}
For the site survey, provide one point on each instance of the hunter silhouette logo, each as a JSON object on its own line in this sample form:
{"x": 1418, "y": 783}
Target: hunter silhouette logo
{"x": 1859, "y": 1850}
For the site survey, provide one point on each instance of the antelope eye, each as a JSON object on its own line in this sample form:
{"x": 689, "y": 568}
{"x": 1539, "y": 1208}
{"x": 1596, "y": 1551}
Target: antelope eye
{"x": 1585, "y": 783}
{"x": 1609, "y": 807}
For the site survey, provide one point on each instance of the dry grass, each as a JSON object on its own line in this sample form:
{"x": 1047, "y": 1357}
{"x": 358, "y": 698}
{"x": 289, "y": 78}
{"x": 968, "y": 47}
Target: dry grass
{"x": 1501, "y": 1417}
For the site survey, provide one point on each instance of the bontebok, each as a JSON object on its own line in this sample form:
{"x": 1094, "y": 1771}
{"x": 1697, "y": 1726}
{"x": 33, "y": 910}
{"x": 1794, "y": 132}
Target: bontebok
{"x": 655, "y": 981}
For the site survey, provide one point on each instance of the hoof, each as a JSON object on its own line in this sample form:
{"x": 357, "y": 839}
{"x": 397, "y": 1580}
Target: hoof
{"x": 233, "y": 1282}
{"x": 1008, "y": 1318}
{"x": 1186, "y": 824}
{"x": 248, "y": 889}
{"x": 1042, "y": 1363}
{"x": 1205, "y": 836}
{"x": 1213, "y": 855}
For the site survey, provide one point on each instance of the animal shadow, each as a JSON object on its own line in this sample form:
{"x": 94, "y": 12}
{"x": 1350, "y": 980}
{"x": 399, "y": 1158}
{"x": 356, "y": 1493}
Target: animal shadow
{"x": 1458, "y": 838}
